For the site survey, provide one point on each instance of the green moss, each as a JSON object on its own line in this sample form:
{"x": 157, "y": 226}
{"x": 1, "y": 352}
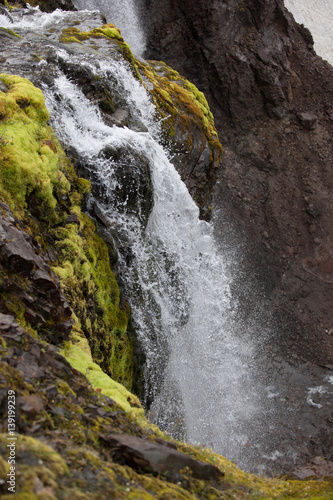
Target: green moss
{"x": 92, "y": 290}
{"x": 180, "y": 104}
{"x": 11, "y": 32}
{"x": 109, "y": 31}
{"x": 79, "y": 356}
{"x": 8, "y": 6}
{"x": 30, "y": 167}
{"x": 34, "y": 179}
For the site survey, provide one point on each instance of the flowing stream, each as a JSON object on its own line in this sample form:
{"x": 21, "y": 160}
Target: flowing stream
{"x": 196, "y": 369}
{"x": 206, "y": 375}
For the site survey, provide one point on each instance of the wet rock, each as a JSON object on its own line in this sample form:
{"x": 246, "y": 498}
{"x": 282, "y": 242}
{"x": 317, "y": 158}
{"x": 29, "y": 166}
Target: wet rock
{"x": 308, "y": 120}
{"x": 136, "y": 125}
{"x": 51, "y": 5}
{"x": 133, "y": 191}
{"x": 121, "y": 117}
{"x": 142, "y": 454}
{"x": 44, "y": 304}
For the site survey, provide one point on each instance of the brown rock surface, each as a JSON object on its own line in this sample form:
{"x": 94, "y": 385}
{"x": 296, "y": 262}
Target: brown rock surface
{"x": 28, "y": 284}
{"x": 271, "y": 96}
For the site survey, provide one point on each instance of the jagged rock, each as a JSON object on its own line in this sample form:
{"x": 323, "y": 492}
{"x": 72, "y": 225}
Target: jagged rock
{"x": 133, "y": 192}
{"x": 6, "y": 320}
{"x": 17, "y": 251}
{"x": 146, "y": 455}
{"x": 308, "y": 120}
{"x": 31, "y": 404}
{"x": 51, "y": 5}
{"x": 121, "y": 117}
{"x": 45, "y": 305}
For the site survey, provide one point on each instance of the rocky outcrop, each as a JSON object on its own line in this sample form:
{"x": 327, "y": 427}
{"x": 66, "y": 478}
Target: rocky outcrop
{"x": 71, "y": 441}
{"x": 271, "y": 97}
{"x": 28, "y": 286}
{"x": 43, "y": 228}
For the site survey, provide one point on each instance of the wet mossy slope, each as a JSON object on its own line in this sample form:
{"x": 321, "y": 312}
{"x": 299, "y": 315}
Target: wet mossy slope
{"x": 79, "y": 439}
{"x": 41, "y": 188}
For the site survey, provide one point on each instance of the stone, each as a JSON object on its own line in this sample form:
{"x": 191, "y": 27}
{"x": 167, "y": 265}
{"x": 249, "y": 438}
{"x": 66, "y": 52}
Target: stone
{"x": 43, "y": 280}
{"x": 161, "y": 459}
{"x": 121, "y": 117}
{"x": 51, "y": 5}
{"x": 31, "y": 404}
{"x": 308, "y": 120}
{"x": 3, "y": 87}
{"x": 17, "y": 251}
{"x": 6, "y": 321}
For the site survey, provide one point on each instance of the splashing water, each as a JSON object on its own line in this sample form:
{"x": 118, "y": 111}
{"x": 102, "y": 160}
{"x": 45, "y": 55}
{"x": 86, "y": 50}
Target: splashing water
{"x": 208, "y": 376}
{"x": 197, "y": 371}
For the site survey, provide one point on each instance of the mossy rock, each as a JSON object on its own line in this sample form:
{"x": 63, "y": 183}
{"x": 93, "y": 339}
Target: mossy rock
{"x": 108, "y": 31}
{"x": 41, "y": 187}
{"x": 188, "y": 129}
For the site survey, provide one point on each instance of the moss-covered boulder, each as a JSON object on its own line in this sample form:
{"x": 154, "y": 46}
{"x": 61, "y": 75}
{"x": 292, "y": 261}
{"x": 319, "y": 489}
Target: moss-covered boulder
{"x": 40, "y": 186}
{"x": 189, "y": 130}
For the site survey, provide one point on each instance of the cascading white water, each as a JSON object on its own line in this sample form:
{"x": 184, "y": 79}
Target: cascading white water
{"x": 206, "y": 375}
{"x": 197, "y": 372}
{"x": 318, "y": 17}
{"x": 124, "y": 15}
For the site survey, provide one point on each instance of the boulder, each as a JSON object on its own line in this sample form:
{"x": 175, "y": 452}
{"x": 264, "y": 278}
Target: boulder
{"x": 142, "y": 454}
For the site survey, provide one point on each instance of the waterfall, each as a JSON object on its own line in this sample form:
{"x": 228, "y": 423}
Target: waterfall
{"x": 197, "y": 368}
{"x": 207, "y": 376}
{"x": 123, "y": 14}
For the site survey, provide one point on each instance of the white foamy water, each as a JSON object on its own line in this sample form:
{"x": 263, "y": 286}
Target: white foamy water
{"x": 27, "y": 20}
{"x": 317, "y": 16}
{"x": 197, "y": 369}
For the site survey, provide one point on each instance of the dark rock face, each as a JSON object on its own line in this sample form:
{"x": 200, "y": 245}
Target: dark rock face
{"x": 45, "y": 5}
{"x": 271, "y": 96}
{"x": 51, "y": 5}
{"x": 27, "y": 282}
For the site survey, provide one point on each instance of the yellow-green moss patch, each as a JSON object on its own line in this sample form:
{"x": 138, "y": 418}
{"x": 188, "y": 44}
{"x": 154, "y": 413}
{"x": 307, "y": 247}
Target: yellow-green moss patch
{"x": 35, "y": 178}
{"x": 78, "y": 353}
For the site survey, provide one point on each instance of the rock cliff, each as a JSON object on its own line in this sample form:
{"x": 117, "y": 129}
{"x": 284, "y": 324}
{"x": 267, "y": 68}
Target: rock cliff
{"x": 62, "y": 318}
{"x": 271, "y": 97}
